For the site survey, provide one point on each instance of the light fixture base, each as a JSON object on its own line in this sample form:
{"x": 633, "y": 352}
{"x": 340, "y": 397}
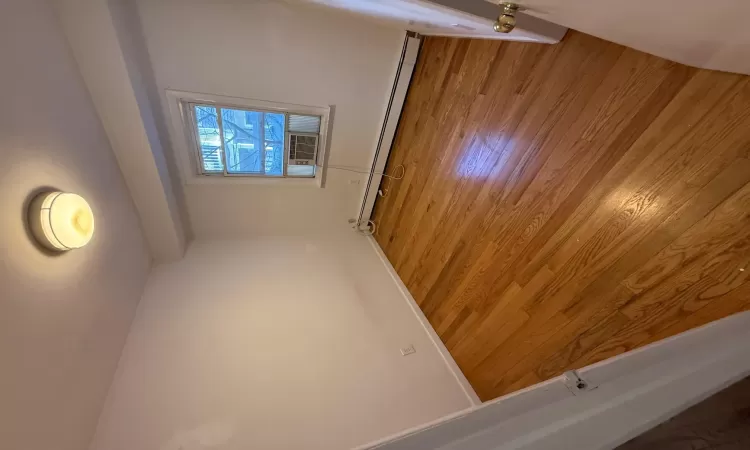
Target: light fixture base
{"x": 60, "y": 221}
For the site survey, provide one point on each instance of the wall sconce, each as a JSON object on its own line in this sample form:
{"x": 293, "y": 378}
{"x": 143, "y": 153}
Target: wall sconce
{"x": 61, "y": 221}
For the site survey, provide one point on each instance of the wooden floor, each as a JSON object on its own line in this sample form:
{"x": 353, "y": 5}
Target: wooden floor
{"x": 563, "y": 204}
{"x": 721, "y": 422}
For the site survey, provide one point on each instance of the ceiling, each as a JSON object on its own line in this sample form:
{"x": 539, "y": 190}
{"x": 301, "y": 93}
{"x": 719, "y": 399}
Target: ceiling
{"x": 712, "y": 35}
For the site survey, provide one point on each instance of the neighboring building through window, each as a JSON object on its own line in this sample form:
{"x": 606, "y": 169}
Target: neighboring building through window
{"x": 220, "y": 139}
{"x": 236, "y": 141}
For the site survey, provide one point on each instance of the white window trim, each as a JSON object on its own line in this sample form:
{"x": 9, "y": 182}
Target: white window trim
{"x": 186, "y": 156}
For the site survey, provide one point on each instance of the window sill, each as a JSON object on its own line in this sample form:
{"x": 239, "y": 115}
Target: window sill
{"x": 316, "y": 182}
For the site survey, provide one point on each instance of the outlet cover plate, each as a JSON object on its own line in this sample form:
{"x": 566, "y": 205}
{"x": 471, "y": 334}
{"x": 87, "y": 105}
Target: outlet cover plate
{"x": 406, "y": 351}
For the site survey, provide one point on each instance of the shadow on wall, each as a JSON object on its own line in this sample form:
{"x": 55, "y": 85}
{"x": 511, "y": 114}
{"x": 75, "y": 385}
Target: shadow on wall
{"x": 63, "y": 317}
{"x": 25, "y": 215}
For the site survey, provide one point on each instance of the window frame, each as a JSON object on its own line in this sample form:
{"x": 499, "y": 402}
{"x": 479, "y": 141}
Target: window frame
{"x": 187, "y": 149}
{"x": 196, "y": 147}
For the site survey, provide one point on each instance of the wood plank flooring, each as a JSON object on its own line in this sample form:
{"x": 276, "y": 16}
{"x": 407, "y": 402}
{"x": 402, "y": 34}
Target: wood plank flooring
{"x": 721, "y": 422}
{"x": 566, "y": 203}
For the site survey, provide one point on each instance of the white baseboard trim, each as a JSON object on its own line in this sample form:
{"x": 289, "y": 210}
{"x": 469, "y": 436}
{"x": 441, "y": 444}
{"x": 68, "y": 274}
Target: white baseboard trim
{"x": 461, "y": 379}
{"x": 401, "y": 85}
{"x": 636, "y": 391}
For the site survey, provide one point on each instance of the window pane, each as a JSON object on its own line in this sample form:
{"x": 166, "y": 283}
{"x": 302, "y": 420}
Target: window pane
{"x": 274, "y": 158}
{"x": 209, "y": 140}
{"x": 274, "y": 142}
{"x": 242, "y": 140}
{"x": 274, "y": 127}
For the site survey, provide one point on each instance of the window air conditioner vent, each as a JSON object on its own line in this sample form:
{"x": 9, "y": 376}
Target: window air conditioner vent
{"x": 303, "y": 149}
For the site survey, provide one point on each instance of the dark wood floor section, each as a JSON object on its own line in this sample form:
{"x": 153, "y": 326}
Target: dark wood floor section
{"x": 566, "y": 203}
{"x": 721, "y": 422}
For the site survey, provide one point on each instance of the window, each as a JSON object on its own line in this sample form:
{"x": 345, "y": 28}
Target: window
{"x": 234, "y": 141}
{"x": 229, "y": 138}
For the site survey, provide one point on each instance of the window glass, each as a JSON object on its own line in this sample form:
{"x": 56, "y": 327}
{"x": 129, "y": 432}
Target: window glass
{"x": 239, "y": 141}
{"x": 273, "y": 124}
{"x": 209, "y": 138}
{"x": 243, "y": 140}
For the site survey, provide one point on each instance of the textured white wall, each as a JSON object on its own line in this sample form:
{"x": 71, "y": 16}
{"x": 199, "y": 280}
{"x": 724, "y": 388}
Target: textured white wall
{"x": 634, "y": 392}
{"x": 63, "y": 319}
{"x": 106, "y": 41}
{"x": 275, "y": 343}
{"x": 285, "y": 53}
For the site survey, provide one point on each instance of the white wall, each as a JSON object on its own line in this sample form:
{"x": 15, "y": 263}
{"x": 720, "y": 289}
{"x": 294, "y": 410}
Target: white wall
{"x": 632, "y": 393}
{"x": 63, "y": 319}
{"x": 276, "y": 343}
{"x": 106, "y": 40}
{"x": 286, "y": 53}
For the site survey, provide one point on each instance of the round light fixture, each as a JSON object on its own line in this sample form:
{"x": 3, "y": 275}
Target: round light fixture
{"x": 61, "y": 221}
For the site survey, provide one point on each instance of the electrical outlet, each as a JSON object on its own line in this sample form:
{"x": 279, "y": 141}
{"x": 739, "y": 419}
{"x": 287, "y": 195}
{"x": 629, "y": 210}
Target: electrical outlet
{"x": 408, "y": 350}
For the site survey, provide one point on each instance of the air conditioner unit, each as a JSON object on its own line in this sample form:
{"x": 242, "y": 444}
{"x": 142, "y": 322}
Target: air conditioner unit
{"x": 303, "y": 149}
